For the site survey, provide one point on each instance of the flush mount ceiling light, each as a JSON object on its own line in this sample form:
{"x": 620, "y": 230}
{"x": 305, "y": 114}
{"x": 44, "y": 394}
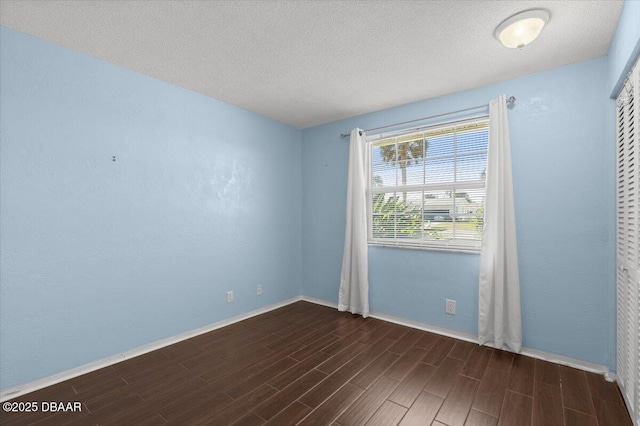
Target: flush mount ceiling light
{"x": 522, "y": 28}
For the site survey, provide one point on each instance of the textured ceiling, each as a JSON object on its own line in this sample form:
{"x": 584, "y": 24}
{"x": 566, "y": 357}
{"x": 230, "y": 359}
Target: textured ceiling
{"x": 311, "y": 62}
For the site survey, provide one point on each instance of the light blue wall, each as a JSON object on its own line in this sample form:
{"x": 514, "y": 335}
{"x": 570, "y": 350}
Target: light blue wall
{"x": 625, "y": 46}
{"x": 560, "y": 136}
{"x": 99, "y": 257}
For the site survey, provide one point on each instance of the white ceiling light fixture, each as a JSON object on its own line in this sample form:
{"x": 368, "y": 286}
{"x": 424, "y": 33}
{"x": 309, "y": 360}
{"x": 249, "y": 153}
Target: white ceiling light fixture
{"x": 522, "y": 28}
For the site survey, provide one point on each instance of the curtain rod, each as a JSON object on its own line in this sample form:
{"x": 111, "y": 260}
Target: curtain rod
{"x": 510, "y": 101}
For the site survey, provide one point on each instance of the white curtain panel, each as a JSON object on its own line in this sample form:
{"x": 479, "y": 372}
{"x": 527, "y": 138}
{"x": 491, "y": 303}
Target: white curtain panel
{"x": 354, "y": 280}
{"x": 499, "y": 320}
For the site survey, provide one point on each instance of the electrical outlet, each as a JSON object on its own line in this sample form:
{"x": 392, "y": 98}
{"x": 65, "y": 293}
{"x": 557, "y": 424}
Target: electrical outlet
{"x": 450, "y": 306}
{"x": 259, "y": 289}
{"x": 229, "y": 296}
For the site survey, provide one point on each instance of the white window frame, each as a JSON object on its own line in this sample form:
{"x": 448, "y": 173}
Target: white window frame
{"x": 436, "y": 245}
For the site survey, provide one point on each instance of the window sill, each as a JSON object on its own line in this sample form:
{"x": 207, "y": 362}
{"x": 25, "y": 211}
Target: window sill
{"x": 443, "y": 248}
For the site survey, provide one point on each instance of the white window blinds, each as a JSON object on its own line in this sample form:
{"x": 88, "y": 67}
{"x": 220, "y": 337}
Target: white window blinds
{"x": 426, "y": 189}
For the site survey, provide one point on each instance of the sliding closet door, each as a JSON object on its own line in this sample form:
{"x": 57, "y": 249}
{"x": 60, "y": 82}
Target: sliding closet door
{"x": 628, "y": 241}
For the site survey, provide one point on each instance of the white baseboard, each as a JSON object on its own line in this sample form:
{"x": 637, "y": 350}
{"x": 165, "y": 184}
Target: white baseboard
{"x": 533, "y": 353}
{"x": 319, "y": 301}
{"x": 15, "y": 391}
{"x": 25, "y": 388}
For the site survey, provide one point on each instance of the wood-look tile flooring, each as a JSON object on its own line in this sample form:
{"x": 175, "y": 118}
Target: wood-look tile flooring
{"x": 311, "y": 365}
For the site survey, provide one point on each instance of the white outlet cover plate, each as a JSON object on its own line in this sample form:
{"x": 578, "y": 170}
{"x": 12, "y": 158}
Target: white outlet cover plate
{"x": 450, "y": 306}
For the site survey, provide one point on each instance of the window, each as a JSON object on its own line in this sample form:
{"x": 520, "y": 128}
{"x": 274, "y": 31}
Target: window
{"x": 426, "y": 189}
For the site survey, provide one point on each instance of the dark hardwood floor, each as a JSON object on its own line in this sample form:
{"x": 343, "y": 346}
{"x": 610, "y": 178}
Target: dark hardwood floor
{"x": 311, "y": 365}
